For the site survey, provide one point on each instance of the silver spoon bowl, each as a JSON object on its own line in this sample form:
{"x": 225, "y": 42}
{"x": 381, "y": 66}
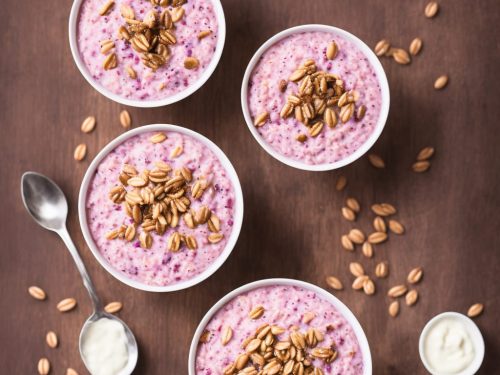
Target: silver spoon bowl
{"x": 47, "y": 204}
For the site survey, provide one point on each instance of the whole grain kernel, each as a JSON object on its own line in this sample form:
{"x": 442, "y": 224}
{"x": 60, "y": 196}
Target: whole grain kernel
{"x": 367, "y": 249}
{"x": 43, "y": 366}
{"x": 377, "y": 237}
{"x": 356, "y": 269}
{"x": 347, "y": 243}
{"x": 475, "y": 310}
{"x": 415, "y": 275}
{"x": 215, "y": 237}
{"x": 379, "y": 224}
{"x": 359, "y": 282}
{"x": 332, "y": 50}
{"x": 415, "y": 46}
{"x": 353, "y": 204}
{"x": 110, "y": 62}
{"x": 204, "y": 34}
{"x": 66, "y": 305}
{"x": 421, "y": 166}
{"x": 401, "y": 56}
{"x": 397, "y": 291}
{"x": 80, "y": 152}
{"x": 369, "y": 287}
{"x": 411, "y": 297}
{"x": 191, "y": 63}
{"x": 227, "y": 334}
{"x": 394, "y": 309}
{"x": 37, "y": 293}
{"x": 106, "y": 8}
{"x": 113, "y": 307}
{"x": 256, "y": 312}
{"x": 131, "y": 72}
{"x": 356, "y": 236}
{"x": 348, "y": 214}
{"x": 261, "y": 119}
{"x": 383, "y": 209}
{"x": 376, "y": 161}
{"x": 88, "y": 124}
{"x": 341, "y": 183}
{"x": 51, "y": 339}
{"x": 158, "y": 138}
{"x": 71, "y": 371}
{"x": 396, "y": 227}
{"x": 301, "y": 138}
{"x": 425, "y": 154}
{"x": 441, "y": 82}
{"x": 334, "y": 283}
{"x": 381, "y": 270}
{"x": 125, "y": 120}
{"x": 382, "y": 47}
{"x": 431, "y": 9}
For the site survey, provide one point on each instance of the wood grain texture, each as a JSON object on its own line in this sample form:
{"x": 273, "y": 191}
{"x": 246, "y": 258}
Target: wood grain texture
{"x": 292, "y": 223}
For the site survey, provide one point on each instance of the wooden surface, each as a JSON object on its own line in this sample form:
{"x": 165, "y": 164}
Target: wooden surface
{"x": 292, "y": 223}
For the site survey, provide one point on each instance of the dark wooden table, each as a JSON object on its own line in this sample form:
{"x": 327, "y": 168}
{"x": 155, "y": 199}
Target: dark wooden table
{"x": 292, "y": 224}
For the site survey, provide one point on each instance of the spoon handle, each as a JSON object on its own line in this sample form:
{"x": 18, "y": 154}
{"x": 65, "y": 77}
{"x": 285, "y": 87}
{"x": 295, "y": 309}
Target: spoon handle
{"x": 96, "y": 302}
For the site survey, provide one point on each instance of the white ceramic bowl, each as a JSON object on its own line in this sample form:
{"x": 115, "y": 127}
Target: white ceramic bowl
{"x": 472, "y": 330}
{"x": 238, "y": 207}
{"x": 343, "y": 309}
{"x": 374, "y": 61}
{"x": 73, "y": 43}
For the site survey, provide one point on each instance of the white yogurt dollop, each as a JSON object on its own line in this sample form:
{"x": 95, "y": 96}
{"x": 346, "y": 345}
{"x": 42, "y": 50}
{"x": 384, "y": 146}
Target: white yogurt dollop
{"x": 448, "y": 347}
{"x": 104, "y": 347}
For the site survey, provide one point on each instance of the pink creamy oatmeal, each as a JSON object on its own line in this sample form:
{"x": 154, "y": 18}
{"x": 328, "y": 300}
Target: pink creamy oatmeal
{"x": 279, "y": 62}
{"x": 170, "y": 78}
{"x": 157, "y": 265}
{"x": 284, "y": 306}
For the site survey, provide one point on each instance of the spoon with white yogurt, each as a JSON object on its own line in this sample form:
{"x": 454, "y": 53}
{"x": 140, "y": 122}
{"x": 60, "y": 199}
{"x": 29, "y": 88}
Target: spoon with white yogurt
{"x": 107, "y": 345}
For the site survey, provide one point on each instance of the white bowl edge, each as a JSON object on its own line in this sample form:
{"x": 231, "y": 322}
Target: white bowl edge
{"x": 374, "y": 61}
{"x": 238, "y": 212}
{"x": 73, "y": 43}
{"x": 339, "y": 305}
{"x": 472, "y": 329}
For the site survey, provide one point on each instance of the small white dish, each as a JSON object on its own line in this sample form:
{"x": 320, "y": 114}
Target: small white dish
{"x": 374, "y": 61}
{"x": 73, "y": 43}
{"x": 472, "y": 330}
{"x": 238, "y": 207}
{"x": 343, "y": 309}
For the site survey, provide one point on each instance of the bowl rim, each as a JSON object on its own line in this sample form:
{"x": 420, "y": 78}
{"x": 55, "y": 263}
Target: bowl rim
{"x": 237, "y": 219}
{"x": 472, "y": 329}
{"x": 73, "y": 43}
{"x": 337, "y": 303}
{"x": 374, "y": 61}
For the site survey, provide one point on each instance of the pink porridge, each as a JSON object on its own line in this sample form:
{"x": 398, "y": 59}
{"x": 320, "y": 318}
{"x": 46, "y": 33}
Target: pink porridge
{"x": 160, "y": 208}
{"x": 289, "y": 320}
{"x": 163, "y": 50}
{"x": 287, "y": 123}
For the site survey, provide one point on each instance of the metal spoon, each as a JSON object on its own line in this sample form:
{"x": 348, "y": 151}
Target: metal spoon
{"x": 47, "y": 204}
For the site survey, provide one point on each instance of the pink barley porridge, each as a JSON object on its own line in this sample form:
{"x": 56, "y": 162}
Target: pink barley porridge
{"x": 305, "y": 118}
{"x": 160, "y": 213}
{"x": 144, "y": 62}
{"x": 295, "y": 318}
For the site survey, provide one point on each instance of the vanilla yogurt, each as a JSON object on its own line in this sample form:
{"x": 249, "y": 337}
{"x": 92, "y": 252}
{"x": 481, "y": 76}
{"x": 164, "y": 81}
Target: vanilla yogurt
{"x": 158, "y": 266}
{"x": 104, "y": 347}
{"x": 284, "y": 306}
{"x": 284, "y": 57}
{"x": 448, "y": 347}
{"x": 169, "y": 79}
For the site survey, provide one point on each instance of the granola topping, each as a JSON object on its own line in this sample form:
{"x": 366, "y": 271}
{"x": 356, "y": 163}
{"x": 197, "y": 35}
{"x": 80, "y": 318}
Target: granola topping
{"x": 321, "y": 98}
{"x": 266, "y": 353}
{"x": 158, "y": 199}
